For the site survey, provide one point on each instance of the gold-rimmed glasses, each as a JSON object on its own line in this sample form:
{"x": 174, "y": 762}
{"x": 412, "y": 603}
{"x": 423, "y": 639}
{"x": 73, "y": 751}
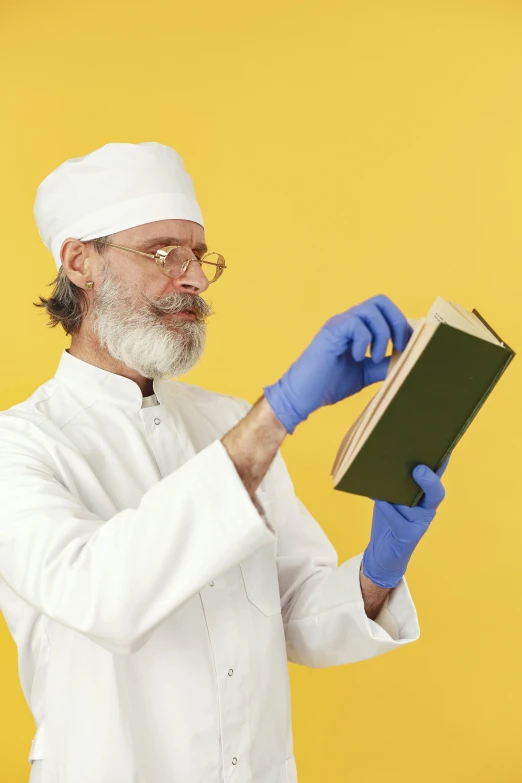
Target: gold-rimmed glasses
{"x": 173, "y": 260}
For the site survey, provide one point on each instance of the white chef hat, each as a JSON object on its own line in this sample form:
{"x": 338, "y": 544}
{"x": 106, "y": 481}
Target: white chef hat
{"x": 116, "y": 187}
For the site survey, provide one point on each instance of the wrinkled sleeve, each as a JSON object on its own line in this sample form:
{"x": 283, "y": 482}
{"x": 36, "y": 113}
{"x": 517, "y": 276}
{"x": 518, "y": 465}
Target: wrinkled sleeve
{"x": 321, "y": 601}
{"x": 115, "y": 580}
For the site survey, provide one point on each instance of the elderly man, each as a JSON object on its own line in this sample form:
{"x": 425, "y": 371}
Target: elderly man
{"x": 157, "y": 569}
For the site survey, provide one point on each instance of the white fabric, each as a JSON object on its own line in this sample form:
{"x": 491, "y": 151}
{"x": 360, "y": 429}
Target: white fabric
{"x": 115, "y": 187}
{"x": 152, "y": 607}
{"x": 36, "y": 775}
{"x": 36, "y": 772}
{"x": 147, "y": 402}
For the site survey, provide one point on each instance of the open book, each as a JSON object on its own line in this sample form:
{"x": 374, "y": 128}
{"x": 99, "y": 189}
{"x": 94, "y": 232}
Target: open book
{"x": 432, "y": 391}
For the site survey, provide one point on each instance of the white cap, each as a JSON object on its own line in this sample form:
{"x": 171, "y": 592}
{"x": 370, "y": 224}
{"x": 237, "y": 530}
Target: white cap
{"x": 116, "y": 187}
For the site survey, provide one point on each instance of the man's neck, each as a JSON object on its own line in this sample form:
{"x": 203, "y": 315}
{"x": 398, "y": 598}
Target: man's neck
{"x": 88, "y": 350}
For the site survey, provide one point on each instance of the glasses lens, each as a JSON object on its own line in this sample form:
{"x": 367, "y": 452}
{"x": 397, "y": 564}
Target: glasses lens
{"x": 214, "y": 266}
{"x": 177, "y": 261}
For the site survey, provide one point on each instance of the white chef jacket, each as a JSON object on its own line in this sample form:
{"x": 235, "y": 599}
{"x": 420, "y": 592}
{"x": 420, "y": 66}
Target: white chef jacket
{"x": 153, "y": 603}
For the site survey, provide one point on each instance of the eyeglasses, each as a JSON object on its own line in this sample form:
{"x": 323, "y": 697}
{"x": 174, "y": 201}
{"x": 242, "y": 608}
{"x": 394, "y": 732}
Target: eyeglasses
{"x": 173, "y": 260}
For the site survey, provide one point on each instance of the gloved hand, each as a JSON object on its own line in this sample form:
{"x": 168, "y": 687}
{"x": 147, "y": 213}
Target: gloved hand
{"x": 334, "y": 365}
{"x": 397, "y": 529}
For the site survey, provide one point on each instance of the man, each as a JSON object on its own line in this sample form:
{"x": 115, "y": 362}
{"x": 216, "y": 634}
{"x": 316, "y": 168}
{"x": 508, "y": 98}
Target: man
{"x": 157, "y": 569}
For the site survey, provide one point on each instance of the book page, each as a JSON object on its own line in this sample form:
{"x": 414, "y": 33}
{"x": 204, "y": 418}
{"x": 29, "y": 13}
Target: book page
{"x": 445, "y": 313}
{"x": 344, "y": 444}
{"x": 485, "y": 333}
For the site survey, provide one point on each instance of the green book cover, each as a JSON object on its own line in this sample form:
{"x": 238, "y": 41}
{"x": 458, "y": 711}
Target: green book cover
{"x": 432, "y": 409}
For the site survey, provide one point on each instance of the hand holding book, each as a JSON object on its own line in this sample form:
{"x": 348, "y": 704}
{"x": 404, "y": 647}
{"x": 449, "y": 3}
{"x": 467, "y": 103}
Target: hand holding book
{"x": 397, "y": 529}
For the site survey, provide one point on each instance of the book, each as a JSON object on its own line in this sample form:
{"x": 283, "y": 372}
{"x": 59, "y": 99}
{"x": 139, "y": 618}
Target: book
{"x": 432, "y": 392}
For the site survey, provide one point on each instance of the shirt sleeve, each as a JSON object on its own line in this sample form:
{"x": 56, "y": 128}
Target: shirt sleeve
{"x": 387, "y": 621}
{"x": 322, "y": 604}
{"x": 116, "y": 579}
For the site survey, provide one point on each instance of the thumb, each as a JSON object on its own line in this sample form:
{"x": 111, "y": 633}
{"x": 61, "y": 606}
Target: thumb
{"x": 373, "y": 373}
{"x": 434, "y": 491}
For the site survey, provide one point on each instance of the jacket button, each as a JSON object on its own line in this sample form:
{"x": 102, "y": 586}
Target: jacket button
{"x": 156, "y": 421}
{"x": 230, "y": 672}
{"x": 234, "y": 760}
{"x": 211, "y": 584}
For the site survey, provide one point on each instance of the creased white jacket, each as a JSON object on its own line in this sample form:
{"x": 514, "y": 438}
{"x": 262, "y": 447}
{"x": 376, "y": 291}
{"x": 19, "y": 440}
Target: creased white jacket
{"x": 153, "y": 604}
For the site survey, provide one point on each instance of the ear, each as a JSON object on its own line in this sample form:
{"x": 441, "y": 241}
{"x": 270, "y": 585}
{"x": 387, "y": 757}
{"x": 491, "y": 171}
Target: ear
{"x": 76, "y": 262}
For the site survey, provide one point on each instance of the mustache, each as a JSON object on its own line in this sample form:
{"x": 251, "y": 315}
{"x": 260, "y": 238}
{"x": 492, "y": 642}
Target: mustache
{"x": 176, "y": 303}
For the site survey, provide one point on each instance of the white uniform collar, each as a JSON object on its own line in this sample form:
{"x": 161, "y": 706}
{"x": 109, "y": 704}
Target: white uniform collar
{"x": 97, "y": 383}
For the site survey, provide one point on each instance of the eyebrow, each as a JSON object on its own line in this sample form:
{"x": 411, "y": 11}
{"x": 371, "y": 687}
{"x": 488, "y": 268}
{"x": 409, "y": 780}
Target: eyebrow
{"x": 165, "y": 241}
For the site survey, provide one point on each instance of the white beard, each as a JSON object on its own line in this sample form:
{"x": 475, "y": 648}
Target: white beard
{"x": 135, "y": 332}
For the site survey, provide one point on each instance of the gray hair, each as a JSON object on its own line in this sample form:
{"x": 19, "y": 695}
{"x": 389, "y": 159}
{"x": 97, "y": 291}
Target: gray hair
{"x": 67, "y": 304}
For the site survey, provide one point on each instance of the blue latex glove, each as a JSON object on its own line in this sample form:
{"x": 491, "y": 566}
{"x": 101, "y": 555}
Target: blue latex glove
{"x": 334, "y": 366}
{"x": 397, "y": 529}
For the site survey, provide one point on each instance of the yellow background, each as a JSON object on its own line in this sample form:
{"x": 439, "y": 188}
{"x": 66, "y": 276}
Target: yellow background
{"x": 339, "y": 150}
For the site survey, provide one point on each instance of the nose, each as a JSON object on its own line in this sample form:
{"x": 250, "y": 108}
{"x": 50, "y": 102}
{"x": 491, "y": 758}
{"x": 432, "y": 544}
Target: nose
{"x": 193, "y": 278}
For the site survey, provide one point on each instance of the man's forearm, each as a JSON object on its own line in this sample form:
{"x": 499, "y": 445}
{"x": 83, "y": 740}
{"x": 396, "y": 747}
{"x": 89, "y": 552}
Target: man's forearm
{"x": 374, "y": 597}
{"x": 253, "y": 443}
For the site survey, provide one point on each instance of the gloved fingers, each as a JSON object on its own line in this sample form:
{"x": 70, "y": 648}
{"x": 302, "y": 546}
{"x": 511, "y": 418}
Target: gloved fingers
{"x": 361, "y": 337}
{"x": 373, "y": 373}
{"x": 344, "y": 332}
{"x": 400, "y": 328}
{"x": 434, "y": 491}
{"x": 378, "y": 326}
{"x": 346, "y": 327}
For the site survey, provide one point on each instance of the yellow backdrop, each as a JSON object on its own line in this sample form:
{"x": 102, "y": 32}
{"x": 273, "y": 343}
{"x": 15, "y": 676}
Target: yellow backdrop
{"x": 339, "y": 150}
